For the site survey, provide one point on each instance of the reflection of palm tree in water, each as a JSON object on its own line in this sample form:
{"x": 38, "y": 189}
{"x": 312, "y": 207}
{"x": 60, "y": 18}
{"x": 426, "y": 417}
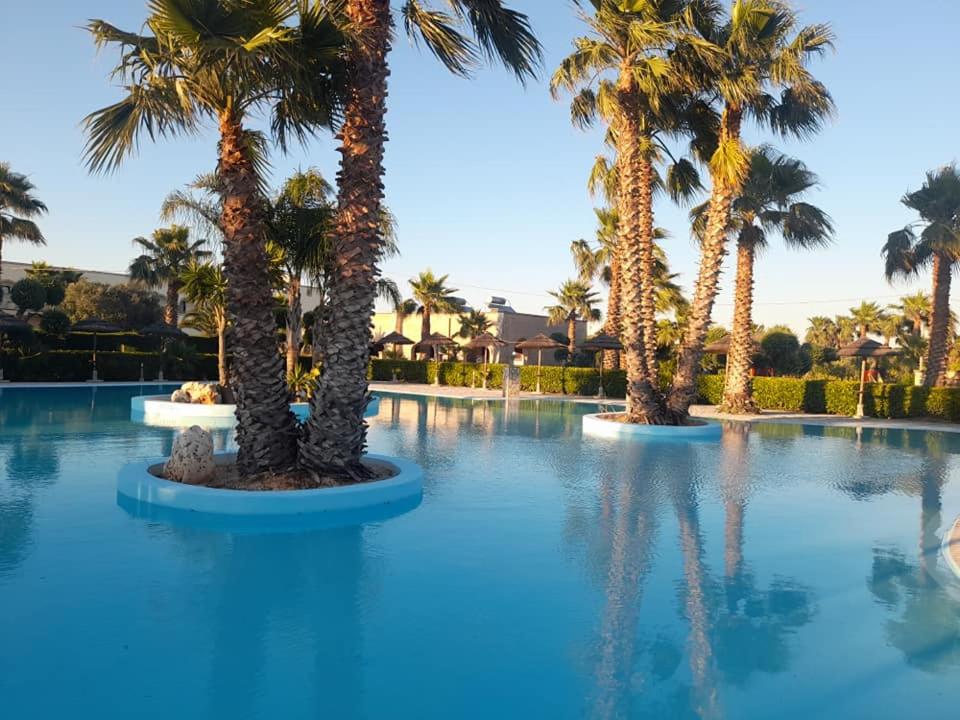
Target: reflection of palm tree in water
{"x": 928, "y": 629}
{"x": 297, "y": 596}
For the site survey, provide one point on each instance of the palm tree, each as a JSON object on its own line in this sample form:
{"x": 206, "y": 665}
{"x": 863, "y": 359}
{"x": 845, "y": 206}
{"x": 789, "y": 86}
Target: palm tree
{"x": 473, "y": 324}
{"x": 938, "y": 246}
{"x": 823, "y": 332}
{"x": 769, "y": 202}
{"x": 17, "y": 206}
{"x": 762, "y": 51}
{"x": 205, "y": 287}
{"x": 434, "y": 297}
{"x": 867, "y": 317}
{"x": 336, "y": 430}
{"x": 575, "y": 301}
{"x": 225, "y": 61}
{"x": 166, "y": 254}
{"x": 915, "y": 309}
{"x": 301, "y": 218}
{"x": 846, "y": 329}
{"x": 403, "y": 309}
{"x": 600, "y": 262}
{"x": 625, "y": 73}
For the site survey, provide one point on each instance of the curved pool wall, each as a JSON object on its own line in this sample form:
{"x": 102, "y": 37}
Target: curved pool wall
{"x": 158, "y": 410}
{"x": 598, "y": 425}
{"x": 136, "y": 482}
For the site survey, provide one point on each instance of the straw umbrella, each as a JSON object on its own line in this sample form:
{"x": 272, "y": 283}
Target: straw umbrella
{"x": 539, "y": 343}
{"x": 95, "y": 326}
{"x": 599, "y": 343}
{"x": 395, "y": 339}
{"x": 9, "y": 323}
{"x": 864, "y": 348}
{"x": 483, "y": 342}
{"x": 435, "y": 341}
{"x": 163, "y": 331}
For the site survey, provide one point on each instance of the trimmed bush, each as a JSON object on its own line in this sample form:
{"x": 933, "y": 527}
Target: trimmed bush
{"x": 75, "y": 366}
{"x": 710, "y": 389}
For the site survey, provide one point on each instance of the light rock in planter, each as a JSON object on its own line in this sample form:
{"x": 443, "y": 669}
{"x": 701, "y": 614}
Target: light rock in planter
{"x": 191, "y": 461}
{"x": 180, "y": 396}
{"x": 202, "y": 393}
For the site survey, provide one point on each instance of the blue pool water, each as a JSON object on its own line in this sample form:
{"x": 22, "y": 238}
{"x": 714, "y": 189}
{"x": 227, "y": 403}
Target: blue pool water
{"x": 780, "y": 573}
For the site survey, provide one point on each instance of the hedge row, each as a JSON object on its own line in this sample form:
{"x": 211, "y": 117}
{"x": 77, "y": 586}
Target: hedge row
{"x": 839, "y": 397}
{"x": 75, "y": 366}
{"x": 553, "y": 378}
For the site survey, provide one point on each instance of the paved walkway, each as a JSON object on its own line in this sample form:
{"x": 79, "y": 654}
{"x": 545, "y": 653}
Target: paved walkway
{"x": 703, "y": 411}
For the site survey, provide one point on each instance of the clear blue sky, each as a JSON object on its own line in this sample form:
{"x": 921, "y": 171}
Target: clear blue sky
{"x": 487, "y": 178}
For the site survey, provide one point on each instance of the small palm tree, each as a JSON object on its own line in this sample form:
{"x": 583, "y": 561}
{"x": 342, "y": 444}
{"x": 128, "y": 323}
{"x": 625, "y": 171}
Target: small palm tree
{"x": 17, "y": 207}
{"x": 823, "y": 332}
{"x": 762, "y": 74}
{"x": 166, "y": 254}
{"x": 224, "y": 61}
{"x": 474, "y": 324}
{"x": 915, "y": 309}
{"x": 937, "y": 246}
{"x": 205, "y": 286}
{"x": 867, "y": 317}
{"x": 575, "y": 301}
{"x": 770, "y": 201}
{"x": 434, "y": 297}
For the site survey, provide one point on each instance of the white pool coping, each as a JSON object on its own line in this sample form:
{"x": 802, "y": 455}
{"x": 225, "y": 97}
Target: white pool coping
{"x": 951, "y": 536}
{"x": 159, "y": 410}
{"x": 137, "y": 483}
{"x": 598, "y": 425}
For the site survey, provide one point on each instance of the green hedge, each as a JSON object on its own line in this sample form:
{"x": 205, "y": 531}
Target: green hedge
{"x": 553, "y": 378}
{"x": 75, "y": 366}
{"x": 839, "y": 397}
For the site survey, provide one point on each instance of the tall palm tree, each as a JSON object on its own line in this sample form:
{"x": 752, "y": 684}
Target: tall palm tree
{"x": 402, "y": 310}
{"x": 301, "y": 219}
{"x": 867, "y": 317}
{"x": 575, "y": 301}
{"x": 166, "y": 254}
{"x": 225, "y": 61}
{"x": 473, "y": 324}
{"x": 769, "y": 202}
{"x": 763, "y": 51}
{"x": 938, "y": 246}
{"x": 336, "y": 430}
{"x": 205, "y": 287}
{"x": 434, "y": 297}
{"x": 600, "y": 262}
{"x": 17, "y": 207}
{"x": 627, "y": 73}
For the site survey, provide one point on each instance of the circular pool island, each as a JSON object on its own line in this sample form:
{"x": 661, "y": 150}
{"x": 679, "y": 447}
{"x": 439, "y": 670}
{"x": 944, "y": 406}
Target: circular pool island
{"x": 160, "y": 410}
{"x": 139, "y": 483}
{"x": 611, "y": 425}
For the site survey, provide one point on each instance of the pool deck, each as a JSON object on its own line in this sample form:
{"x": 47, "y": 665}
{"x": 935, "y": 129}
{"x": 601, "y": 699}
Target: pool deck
{"x": 702, "y": 411}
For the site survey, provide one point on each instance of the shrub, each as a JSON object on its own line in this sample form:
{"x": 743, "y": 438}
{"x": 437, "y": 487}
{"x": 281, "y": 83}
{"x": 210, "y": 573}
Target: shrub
{"x": 28, "y": 294}
{"x": 710, "y": 389}
{"x": 75, "y": 366}
{"x": 55, "y": 323}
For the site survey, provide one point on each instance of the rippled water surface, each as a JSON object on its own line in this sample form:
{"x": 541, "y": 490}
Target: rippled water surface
{"x": 779, "y": 573}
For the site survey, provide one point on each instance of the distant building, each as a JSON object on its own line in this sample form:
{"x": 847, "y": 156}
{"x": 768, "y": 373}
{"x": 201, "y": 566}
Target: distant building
{"x": 506, "y": 323}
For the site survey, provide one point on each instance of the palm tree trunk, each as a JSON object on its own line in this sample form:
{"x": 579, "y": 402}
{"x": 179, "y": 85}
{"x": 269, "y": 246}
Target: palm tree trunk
{"x": 425, "y": 323}
{"x": 222, "y": 376}
{"x": 266, "y": 429}
{"x": 611, "y": 358}
{"x": 683, "y": 391}
{"x": 336, "y": 433}
{"x": 571, "y": 335}
{"x": 738, "y": 387}
{"x": 939, "y": 322}
{"x": 635, "y": 198}
{"x": 648, "y": 273}
{"x": 398, "y": 327}
{"x": 294, "y": 315}
{"x": 172, "y": 302}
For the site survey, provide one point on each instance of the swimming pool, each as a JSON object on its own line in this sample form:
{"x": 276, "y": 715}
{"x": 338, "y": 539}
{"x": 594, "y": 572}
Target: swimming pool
{"x": 777, "y": 573}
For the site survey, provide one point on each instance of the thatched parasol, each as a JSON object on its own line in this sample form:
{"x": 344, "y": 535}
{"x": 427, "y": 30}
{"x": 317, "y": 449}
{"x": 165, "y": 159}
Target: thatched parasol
{"x": 864, "y": 348}
{"x": 539, "y": 343}
{"x": 600, "y": 343}
{"x": 10, "y": 323}
{"x": 95, "y": 326}
{"x": 483, "y": 342}
{"x": 435, "y": 341}
{"x": 395, "y": 339}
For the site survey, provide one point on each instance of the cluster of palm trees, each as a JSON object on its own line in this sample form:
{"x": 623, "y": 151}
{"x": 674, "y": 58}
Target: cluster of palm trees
{"x": 674, "y": 82}
{"x": 18, "y": 208}
{"x": 310, "y": 67}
